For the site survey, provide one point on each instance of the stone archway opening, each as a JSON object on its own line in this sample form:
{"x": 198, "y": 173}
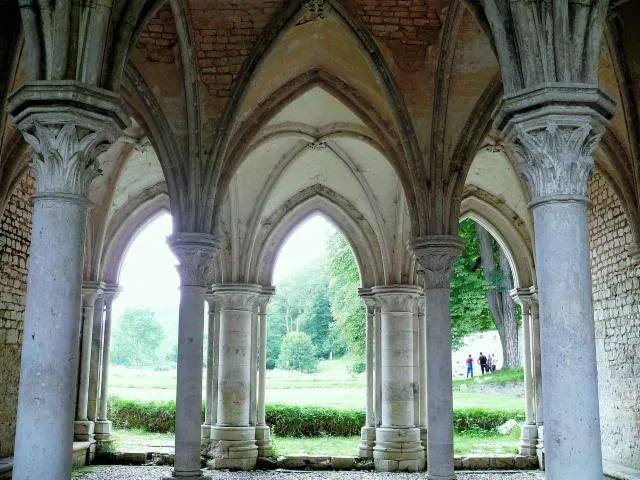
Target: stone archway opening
{"x": 316, "y": 342}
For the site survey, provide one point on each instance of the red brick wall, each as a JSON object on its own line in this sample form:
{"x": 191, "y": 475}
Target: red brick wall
{"x": 159, "y": 37}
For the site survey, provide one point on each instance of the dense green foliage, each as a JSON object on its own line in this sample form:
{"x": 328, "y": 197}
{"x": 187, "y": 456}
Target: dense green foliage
{"x": 346, "y": 307}
{"x": 469, "y": 307}
{"x": 137, "y": 339}
{"x": 295, "y": 421}
{"x": 298, "y": 353}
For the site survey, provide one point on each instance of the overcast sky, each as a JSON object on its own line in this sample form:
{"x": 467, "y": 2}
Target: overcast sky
{"x": 149, "y": 277}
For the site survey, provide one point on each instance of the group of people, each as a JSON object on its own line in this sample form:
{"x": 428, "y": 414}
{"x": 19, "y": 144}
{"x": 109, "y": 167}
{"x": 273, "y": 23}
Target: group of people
{"x": 487, "y": 364}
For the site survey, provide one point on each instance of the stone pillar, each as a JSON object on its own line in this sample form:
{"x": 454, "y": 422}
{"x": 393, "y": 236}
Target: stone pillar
{"x": 83, "y": 428}
{"x": 253, "y": 379}
{"x": 529, "y": 431}
{"x": 422, "y": 345}
{"x": 67, "y": 125}
{"x": 195, "y": 253}
{"x": 95, "y": 369}
{"x": 437, "y": 255}
{"x": 377, "y": 351}
{"x": 103, "y": 424}
{"x": 233, "y": 443}
{"x": 537, "y": 375}
{"x": 263, "y": 433}
{"x": 554, "y": 146}
{"x": 397, "y": 446}
{"x": 211, "y": 389}
{"x": 368, "y": 432}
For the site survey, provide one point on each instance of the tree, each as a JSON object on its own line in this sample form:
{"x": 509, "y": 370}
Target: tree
{"x": 137, "y": 338}
{"x": 469, "y": 309}
{"x": 497, "y": 272}
{"x": 346, "y": 307}
{"x": 298, "y": 353}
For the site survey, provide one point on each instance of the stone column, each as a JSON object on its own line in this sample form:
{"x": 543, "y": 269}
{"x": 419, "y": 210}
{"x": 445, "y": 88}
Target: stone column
{"x": 102, "y": 424}
{"x": 422, "y": 345}
{"x": 437, "y": 255}
{"x": 537, "y": 374}
{"x": 67, "y": 125}
{"x": 397, "y": 446}
{"x": 529, "y": 431}
{"x": 195, "y": 253}
{"x": 377, "y": 350}
{"x": 83, "y": 428}
{"x": 368, "y": 432}
{"x": 253, "y": 379}
{"x": 95, "y": 369}
{"x": 554, "y": 146}
{"x": 213, "y": 338}
{"x": 263, "y": 433}
{"x": 233, "y": 443}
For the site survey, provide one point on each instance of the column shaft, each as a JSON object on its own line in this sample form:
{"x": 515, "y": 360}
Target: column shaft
{"x": 529, "y": 431}
{"x": 422, "y": 334}
{"x": 103, "y": 425}
{"x": 253, "y": 378}
{"x": 368, "y": 432}
{"x": 377, "y": 324}
{"x": 572, "y": 421}
{"x": 537, "y": 363}
{"x": 211, "y": 340}
{"x": 49, "y": 361}
{"x": 263, "y": 432}
{"x": 96, "y": 359}
{"x": 189, "y": 381}
{"x": 83, "y": 430}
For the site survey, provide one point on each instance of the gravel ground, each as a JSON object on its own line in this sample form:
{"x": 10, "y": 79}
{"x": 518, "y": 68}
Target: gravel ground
{"x": 156, "y": 473}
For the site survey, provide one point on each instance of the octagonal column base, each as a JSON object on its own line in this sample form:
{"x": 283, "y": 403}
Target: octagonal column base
{"x": 528, "y": 440}
{"x": 367, "y": 442}
{"x": 263, "y": 440}
{"x": 103, "y": 430}
{"x": 398, "y": 450}
{"x": 233, "y": 448}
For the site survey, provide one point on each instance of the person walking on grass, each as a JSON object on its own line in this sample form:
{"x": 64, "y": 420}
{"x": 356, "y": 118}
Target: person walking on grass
{"x": 469, "y": 363}
{"x": 489, "y": 364}
{"x": 482, "y": 360}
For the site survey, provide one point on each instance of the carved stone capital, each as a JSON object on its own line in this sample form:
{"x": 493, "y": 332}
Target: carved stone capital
{"x": 264, "y": 298}
{"x": 68, "y": 125}
{"x": 91, "y": 290}
{"x": 437, "y": 254}
{"x": 195, "y": 253}
{"x": 237, "y": 296}
{"x": 523, "y": 296}
{"x": 369, "y": 300}
{"x": 396, "y": 298}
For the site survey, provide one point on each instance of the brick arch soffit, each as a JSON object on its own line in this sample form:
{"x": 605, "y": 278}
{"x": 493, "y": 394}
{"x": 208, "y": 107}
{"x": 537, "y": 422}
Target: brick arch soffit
{"x": 226, "y": 152}
{"x": 303, "y": 205}
{"x": 497, "y": 218}
{"x": 125, "y": 226}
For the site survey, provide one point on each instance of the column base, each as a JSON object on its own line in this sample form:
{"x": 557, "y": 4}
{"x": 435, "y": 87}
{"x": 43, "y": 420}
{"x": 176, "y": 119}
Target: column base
{"x": 205, "y": 431}
{"x": 263, "y": 440}
{"x": 233, "y": 448}
{"x": 83, "y": 431}
{"x": 423, "y": 439}
{"x": 398, "y": 450}
{"x": 367, "y": 442}
{"x": 528, "y": 440}
{"x": 540, "y": 447}
{"x": 103, "y": 430}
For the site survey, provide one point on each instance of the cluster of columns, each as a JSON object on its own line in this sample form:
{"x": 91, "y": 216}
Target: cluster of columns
{"x": 532, "y": 432}
{"x": 235, "y": 431}
{"x": 91, "y": 422}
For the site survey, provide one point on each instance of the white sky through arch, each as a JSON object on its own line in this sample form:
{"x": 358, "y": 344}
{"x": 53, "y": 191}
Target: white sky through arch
{"x": 149, "y": 278}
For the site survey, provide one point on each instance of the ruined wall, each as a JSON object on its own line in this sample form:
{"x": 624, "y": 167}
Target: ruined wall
{"x": 15, "y": 239}
{"x": 616, "y": 294}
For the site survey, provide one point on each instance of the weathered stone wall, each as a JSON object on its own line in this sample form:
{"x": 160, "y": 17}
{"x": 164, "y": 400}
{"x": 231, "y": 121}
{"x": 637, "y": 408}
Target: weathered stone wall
{"x": 15, "y": 239}
{"x": 616, "y": 293}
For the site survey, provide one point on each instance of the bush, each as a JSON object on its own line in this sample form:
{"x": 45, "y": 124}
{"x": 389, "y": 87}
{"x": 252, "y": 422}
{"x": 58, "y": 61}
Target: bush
{"x": 294, "y": 421}
{"x": 159, "y": 417}
{"x": 479, "y": 420}
{"x": 357, "y": 368}
{"x": 298, "y": 353}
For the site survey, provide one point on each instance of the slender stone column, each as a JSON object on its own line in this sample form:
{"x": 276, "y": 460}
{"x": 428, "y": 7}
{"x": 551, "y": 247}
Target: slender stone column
{"x": 397, "y": 446}
{"x": 377, "y": 350}
{"x": 263, "y": 433}
{"x": 537, "y": 375}
{"x": 95, "y": 369}
{"x": 233, "y": 443}
{"x": 82, "y": 427}
{"x": 66, "y": 135}
{"x": 195, "y": 253}
{"x": 422, "y": 345}
{"x": 368, "y": 432}
{"x": 210, "y": 406}
{"x": 529, "y": 431}
{"x": 253, "y": 379}
{"x": 103, "y": 426}
{"x": 437, "y": 255}
{"x": 555, "y": 147}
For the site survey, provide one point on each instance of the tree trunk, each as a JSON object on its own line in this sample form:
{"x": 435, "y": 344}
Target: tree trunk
{"x": 501, "y": 305}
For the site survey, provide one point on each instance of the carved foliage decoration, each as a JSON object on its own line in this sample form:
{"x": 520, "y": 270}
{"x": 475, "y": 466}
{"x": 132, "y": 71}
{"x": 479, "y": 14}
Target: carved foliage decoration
{"x": 437, "y": 256}
{"x": 65, "y": 159}
{"x": 396, "y": 301}
{"x": 196, "y": 260}
{"x": 238, "y": 300}
{"x": 556, "y": 159}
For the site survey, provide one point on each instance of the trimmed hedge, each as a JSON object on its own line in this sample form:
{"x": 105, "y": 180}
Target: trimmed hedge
{"x": 294, "y": 421}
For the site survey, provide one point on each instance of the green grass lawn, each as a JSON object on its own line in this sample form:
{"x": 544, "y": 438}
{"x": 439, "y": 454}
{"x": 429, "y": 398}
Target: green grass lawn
{"x": 140, "y": 441}
{"x": 330, "y": 386}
